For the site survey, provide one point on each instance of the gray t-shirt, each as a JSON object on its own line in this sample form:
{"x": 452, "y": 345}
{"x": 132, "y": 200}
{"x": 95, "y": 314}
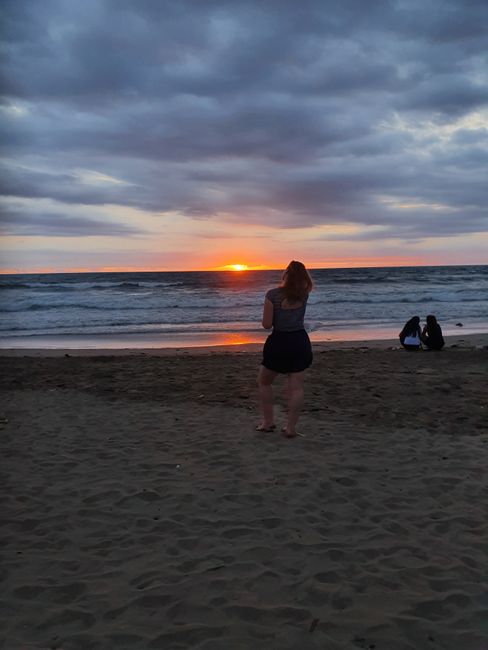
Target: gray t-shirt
{"x": 286, "y": 320}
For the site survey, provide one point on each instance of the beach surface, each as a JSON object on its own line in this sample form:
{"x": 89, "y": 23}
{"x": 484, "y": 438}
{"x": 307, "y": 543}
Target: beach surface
{"x": 141, "y": 509}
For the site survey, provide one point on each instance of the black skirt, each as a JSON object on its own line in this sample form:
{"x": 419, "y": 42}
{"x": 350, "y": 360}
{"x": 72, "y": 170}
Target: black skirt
{"x": 287, "y": 352}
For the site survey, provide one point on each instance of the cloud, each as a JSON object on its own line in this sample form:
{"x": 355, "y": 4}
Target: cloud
{"x": 275, "y": 114}
{"x": 42, "y": 224}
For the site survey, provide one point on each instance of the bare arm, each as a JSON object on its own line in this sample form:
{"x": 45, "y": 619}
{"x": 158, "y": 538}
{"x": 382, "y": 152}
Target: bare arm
{"x": 268, "y": 309}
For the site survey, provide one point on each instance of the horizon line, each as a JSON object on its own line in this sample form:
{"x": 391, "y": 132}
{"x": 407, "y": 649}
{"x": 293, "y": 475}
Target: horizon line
{"x": 227, "y": 270}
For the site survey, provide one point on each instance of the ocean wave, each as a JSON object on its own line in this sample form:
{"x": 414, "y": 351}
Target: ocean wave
{"x": 395, "y": 300}
{"x": 140, "y": 302}
{"x": 118, "y": 285}
{"x": 224, "y": 305}
{"x": 14, "y": 285}
{"x": 221, "y": 304}
{"x": 412, "y": 275}
{"x": 68, "y": 306}
{"x": 50, "y": 287}
{"x": 81, "y": 286}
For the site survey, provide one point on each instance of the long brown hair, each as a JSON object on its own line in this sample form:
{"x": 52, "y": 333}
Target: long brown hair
{"x": 297, "y": 283}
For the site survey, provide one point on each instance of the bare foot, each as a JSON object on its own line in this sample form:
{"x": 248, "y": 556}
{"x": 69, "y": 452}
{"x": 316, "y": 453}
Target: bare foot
{"x": 266, "y": 428}
{"x": 289, "y": 434}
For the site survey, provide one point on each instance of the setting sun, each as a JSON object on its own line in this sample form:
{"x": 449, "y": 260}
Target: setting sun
{"x": 236, "y": 267}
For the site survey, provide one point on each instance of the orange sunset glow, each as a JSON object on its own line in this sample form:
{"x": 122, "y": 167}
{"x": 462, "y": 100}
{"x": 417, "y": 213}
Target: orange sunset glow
{"x": 236, "y": 267}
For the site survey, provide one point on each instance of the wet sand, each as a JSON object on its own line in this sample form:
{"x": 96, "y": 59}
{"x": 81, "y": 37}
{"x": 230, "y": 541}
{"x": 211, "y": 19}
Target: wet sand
{"x": 142, "y": 510}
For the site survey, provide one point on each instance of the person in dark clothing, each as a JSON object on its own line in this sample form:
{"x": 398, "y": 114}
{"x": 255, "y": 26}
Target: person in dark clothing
{"x": 432, "y": 334}
{"x": 410, "y": 335}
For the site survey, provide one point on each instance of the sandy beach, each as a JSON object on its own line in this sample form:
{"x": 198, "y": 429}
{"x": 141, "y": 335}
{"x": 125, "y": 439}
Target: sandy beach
{"x": 142, "y": 510}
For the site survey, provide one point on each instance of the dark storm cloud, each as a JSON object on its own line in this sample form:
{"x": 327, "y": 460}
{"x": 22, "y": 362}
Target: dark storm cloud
{"x": 456, "y": 97}
{"x": 282, "y": 113}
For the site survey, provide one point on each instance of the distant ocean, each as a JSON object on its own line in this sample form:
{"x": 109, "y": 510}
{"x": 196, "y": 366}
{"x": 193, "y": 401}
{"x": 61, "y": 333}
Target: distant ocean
{"x": 178, "y": 309}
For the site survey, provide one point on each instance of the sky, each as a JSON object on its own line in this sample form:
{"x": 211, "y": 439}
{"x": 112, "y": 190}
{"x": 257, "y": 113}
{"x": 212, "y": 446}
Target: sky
{"x": 163, "y": 135}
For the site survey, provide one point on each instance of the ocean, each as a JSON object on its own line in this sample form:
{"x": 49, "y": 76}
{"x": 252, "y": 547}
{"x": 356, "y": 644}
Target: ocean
{"x": 184, "y": 309}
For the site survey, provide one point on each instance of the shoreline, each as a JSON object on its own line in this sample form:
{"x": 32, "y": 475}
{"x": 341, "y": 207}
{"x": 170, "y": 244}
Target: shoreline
{"x": 467, "y": 341}
{"x": 232, "y": 338}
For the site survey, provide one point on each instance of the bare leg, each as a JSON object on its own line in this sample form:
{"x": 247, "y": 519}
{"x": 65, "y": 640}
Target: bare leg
{"x": 295, "y": 401}
{"x": 265, "y": 379}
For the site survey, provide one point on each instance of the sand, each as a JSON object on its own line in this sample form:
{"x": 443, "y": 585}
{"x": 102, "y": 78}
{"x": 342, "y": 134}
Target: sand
{"x": 140, "y": 509}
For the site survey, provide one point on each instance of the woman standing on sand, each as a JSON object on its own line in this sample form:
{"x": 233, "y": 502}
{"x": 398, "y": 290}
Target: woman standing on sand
{"x": 287, "y": 349}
